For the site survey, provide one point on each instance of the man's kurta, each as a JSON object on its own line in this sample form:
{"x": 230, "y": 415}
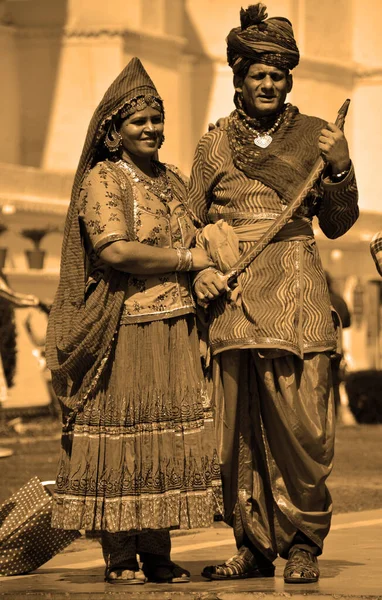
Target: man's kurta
{"x": 285, "y": 300}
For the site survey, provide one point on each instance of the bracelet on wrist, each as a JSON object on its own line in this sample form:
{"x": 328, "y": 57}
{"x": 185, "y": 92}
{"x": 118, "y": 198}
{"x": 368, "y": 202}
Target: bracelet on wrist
{"x": 335, "y": 177}
{"x": 184, "y": 259}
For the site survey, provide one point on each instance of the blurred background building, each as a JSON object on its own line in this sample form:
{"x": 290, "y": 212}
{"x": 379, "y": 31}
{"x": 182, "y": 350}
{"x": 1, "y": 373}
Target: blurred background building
{"x": 57, "y": 57}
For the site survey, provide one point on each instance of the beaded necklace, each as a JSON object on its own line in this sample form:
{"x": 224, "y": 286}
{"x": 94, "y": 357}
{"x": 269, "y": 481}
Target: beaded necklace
{"x": 160, "y": 186}
{"x": 262, "y": 139}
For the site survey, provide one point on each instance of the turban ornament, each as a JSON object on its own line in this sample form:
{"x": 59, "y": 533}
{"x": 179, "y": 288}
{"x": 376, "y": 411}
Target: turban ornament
{"x": 261, "y": 40}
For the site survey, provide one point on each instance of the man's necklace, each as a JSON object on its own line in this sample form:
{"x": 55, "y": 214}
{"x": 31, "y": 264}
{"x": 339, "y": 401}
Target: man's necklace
{"x": 262, "y": 139}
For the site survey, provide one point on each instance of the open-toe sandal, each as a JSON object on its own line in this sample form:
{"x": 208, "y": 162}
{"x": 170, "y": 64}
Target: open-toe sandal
{"x": 125, "y": 577}
{"x": 301, "y": 567}
{"x": 241, "y": 566}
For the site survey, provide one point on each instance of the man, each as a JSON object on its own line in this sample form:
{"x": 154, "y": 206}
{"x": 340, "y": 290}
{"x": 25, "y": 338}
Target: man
{"x": 271, "y": 349}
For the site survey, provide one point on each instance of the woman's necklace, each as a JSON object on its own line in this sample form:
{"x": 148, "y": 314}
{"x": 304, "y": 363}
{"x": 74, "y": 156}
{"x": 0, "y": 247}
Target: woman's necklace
{"x": 159, "y": 185}
{"x": 262, "y": 139}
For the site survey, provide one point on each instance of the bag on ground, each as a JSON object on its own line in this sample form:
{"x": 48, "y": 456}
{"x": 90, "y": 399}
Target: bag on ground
{"x": 27, "y": 539}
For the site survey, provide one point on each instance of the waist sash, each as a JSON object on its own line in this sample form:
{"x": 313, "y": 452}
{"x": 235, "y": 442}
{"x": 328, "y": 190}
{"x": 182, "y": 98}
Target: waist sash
{"x": 295, "y": 230}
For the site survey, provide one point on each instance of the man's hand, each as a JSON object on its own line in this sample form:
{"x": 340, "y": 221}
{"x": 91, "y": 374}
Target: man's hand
{"x": 209, "y": 285}
{"x": 334, "y": 148}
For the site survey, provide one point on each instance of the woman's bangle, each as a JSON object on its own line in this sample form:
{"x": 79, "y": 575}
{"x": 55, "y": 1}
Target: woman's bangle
{"x": 184, "y": 259}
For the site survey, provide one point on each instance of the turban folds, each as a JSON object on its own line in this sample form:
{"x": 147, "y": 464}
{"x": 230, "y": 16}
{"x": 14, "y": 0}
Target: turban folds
{"x": 261, "y": 40}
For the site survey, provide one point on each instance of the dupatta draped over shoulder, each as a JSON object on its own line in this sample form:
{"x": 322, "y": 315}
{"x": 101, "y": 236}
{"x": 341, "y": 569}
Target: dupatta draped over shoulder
{"x": 81, "y": 327}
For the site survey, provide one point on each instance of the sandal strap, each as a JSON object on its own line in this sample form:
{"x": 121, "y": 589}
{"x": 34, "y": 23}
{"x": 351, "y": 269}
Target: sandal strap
{"x": 303, "y": 562}
{"x": 240, "y": 563}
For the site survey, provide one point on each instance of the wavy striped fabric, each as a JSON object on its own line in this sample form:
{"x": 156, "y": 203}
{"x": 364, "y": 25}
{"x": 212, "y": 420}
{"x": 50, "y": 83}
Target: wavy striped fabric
{"x": 286, "y": 303}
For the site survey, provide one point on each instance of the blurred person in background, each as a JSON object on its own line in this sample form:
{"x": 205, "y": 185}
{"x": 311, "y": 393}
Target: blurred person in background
{"x": 376, "y": 250}
{"x": 337, "y": 358}
{"x": 9, "y": 300}
{"x": 136, "y": 458}
{"x": 271, "y": 351}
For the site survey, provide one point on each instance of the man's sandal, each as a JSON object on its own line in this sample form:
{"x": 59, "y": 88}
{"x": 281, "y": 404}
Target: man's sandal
{"x": 159, "y": 569}
{"x": 125, "y": 577}
{"x": 301, "y": 567}
{"x": 241, "y": 566}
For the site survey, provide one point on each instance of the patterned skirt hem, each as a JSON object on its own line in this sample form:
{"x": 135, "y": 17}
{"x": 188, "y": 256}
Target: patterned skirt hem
{"x": 176, "y": 510}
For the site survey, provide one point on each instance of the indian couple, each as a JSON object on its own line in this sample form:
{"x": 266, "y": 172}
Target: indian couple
{"x": 145, "y": 448}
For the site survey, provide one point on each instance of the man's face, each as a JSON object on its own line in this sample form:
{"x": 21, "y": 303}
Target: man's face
{"x": 264, "y": 89}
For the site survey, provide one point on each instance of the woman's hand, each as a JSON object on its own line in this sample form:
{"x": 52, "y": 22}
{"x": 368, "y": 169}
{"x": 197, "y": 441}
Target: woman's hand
{"x": 200, "y": 259}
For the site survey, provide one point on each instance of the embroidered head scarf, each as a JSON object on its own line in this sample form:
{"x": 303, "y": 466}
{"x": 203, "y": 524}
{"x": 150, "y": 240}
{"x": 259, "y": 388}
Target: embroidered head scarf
{"x": 81, "y": 330}
{"x": 261, "y": 40}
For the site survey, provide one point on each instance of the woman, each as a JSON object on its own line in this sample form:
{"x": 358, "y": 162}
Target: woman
{"x": 122, "y": 346}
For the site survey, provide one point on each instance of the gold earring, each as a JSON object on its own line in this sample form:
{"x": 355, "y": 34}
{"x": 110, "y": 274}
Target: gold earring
{"x": 113, "y": 139}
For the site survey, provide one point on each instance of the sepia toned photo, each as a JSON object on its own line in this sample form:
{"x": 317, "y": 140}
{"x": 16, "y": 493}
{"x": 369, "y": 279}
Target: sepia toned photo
{"x": 190, "y": 299}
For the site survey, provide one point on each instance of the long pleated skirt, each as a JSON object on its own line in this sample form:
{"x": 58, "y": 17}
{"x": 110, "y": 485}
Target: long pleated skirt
{"x": 142, "y": 455}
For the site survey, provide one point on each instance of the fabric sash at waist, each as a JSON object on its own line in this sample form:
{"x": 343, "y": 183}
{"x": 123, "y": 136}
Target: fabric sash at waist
{"x": 222, "y": 240}
{"x": 295, "y": 230}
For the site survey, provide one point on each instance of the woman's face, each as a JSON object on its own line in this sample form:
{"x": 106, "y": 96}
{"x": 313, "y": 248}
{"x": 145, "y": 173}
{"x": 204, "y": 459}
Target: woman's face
{"x": 142, "y": 132}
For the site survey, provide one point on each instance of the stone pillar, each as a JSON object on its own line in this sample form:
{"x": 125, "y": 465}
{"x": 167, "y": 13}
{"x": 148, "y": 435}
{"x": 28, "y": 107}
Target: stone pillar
{"x": 10, "y": 120}
{"x": 69, "y": 53}
{"x": 161, "y": 57}
{"x": 368, "y": 101}
{"x": 88, "y": 64}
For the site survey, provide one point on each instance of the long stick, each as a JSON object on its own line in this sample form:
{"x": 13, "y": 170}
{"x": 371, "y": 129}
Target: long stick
{"x": 306, "y": 187}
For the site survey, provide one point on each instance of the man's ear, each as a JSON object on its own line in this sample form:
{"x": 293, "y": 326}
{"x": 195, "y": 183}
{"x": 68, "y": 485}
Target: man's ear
{"x": 238, "y": 83}
{"x": 289, "y": 82}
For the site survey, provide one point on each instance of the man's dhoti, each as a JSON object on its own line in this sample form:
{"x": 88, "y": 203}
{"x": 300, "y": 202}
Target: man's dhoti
{"x": 275, "y": 429}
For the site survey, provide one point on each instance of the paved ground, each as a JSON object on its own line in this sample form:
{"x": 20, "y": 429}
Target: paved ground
{"x": 350, "y": 567}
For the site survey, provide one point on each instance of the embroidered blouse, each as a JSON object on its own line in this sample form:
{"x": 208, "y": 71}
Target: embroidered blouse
{"x": 153, "y": 215}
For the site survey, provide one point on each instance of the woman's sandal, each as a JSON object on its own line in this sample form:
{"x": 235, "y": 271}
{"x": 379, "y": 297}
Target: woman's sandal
{"x": 301, "y": 567}
{"x": 159, "y": 569}
{"x": 125, "y": 576}
{"x": 241, "y": 566}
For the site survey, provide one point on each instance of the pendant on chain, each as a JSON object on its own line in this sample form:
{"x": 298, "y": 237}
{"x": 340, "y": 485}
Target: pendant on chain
{"x": 263, "y": 141}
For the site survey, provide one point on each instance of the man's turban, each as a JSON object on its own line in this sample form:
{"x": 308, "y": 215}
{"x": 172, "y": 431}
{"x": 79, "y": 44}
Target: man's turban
{"x": 261, "y": 40}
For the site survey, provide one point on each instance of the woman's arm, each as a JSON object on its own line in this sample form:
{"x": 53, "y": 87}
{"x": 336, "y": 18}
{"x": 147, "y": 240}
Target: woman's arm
{"x": 106, "y": 220}
{"x": 142, "y": 259}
